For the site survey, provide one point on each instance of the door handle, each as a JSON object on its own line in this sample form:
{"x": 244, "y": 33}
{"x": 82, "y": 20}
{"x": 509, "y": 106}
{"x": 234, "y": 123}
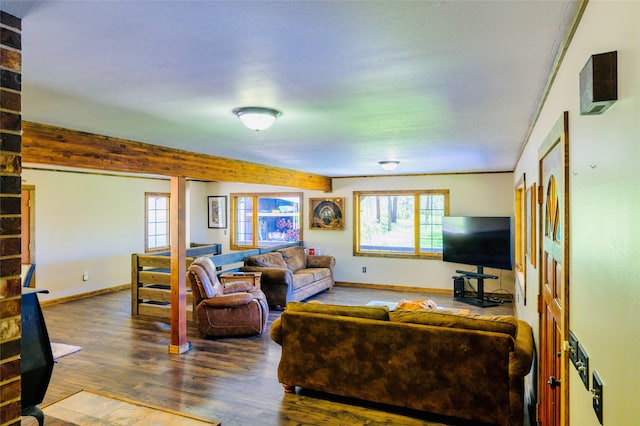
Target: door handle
{"x": 553, "y": 382}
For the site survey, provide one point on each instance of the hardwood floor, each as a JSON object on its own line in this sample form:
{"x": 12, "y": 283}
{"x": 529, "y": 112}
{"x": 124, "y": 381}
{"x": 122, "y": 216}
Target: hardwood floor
{"x": 231, "y": 380}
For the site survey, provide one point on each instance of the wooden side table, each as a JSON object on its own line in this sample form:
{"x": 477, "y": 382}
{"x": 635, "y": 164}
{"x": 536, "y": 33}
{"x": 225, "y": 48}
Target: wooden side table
{"x": 252, "y": 277}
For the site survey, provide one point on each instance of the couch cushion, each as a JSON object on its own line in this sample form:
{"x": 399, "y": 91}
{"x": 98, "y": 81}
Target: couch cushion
{"x": 272, "y": 259}
{"x": 294, "y": 257}
{"x": 505, "y": 324}
{"x": 370, "y": 312}
{"x": 301, "y": 279}
{"x": 318, "y": 273}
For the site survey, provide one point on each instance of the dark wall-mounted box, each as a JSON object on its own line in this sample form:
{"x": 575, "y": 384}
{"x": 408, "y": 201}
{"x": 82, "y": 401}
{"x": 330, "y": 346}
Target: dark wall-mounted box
{"x": 599, "y": 83}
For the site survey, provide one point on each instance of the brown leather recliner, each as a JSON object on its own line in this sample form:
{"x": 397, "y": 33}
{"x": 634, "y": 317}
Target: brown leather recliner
{"x": 237, "y": 309}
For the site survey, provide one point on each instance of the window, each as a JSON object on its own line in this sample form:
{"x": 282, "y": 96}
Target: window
{"x": 265, "y": 220}
{"x": 157, "y": 221}
{"x": 400, "y": 223}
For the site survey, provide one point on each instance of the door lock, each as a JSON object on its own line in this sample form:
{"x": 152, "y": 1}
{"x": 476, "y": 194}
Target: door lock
{"x": 553, "y": 382}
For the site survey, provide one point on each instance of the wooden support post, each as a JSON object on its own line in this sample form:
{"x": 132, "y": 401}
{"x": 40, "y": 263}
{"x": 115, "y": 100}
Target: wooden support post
{"x": 178, "y": 231}
{"x": 134, "y": 284}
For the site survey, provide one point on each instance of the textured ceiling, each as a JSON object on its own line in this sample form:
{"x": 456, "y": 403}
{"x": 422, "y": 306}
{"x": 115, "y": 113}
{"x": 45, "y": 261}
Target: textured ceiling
{"x": 441, "y": 86}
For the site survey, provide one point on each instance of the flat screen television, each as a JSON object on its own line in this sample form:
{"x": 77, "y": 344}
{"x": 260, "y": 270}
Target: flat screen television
{"x": 476, "y": 240}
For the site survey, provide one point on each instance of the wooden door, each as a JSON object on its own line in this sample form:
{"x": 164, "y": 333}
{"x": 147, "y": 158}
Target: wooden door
{"x": 25, "y": 225}
{"x": 554, "y": 276}
{"x": 27, "y": 228}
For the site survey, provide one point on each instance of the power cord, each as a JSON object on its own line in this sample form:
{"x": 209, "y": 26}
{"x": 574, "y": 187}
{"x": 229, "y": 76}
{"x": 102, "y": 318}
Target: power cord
{"x": 489, "y": 298}
{"x": 499, "y": 290}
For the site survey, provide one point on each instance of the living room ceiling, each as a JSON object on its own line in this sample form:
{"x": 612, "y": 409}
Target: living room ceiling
{"x": 441, "y": 86}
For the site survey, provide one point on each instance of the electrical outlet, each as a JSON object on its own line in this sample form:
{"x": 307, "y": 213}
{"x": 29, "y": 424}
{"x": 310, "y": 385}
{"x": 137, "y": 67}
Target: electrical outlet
{"x": 582, "y": 365}
{"x": 85, "y": 276}
{"x": 573, "y": 348}
{"x": 597, "y": 396}
{"x": 364, "y": 269}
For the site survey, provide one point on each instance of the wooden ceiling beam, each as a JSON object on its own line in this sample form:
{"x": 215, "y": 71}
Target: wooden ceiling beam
{"x": 44, "y": 144}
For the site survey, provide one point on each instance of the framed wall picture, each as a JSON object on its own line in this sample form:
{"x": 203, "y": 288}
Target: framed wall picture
{"x": 217, "y": 209}
{"x": 520, "y": 236}
{"x": 532, "y": 225}
{"x": 527, "y": 221}
{"x": 521, "y": 232}
{"x": 326, "y": 214}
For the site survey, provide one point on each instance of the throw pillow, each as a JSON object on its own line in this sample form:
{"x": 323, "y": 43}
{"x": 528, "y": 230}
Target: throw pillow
{"x": 268, "y": 260}
{"x": 294, "y": 257}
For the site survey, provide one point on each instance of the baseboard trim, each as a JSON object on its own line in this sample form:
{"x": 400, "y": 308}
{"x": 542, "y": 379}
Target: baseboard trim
{"x": 499, "y": 295}
{"x": 79, "y": 296}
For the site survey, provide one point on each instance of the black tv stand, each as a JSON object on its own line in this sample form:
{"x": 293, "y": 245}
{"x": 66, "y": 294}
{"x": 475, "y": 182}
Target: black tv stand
{"x": 479, "y": 300}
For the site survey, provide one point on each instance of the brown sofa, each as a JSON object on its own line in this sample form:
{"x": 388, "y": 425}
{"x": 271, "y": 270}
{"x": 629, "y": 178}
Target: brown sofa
{"x": 466, "y": 366}
{"x": 291, "y": 275}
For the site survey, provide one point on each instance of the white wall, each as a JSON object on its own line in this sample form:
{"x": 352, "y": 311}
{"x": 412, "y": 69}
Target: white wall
{"x": 478, "y": 194}
{"x": 604, "y": 204}
{"x": 92, "y": 223}
{"x": 89, "y": 222}
{"x": 197, "y": 213}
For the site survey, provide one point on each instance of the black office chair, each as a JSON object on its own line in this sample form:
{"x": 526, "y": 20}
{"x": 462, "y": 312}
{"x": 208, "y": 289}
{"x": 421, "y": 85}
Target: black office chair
{"x": 36, "y": 355}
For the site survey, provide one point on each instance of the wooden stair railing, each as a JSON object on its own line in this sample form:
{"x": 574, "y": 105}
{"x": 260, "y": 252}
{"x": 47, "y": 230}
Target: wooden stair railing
{"x": 151, "y": 276}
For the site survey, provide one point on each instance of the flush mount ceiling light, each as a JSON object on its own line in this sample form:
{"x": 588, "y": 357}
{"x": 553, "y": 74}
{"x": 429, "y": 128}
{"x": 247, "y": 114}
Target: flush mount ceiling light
{"x": 257, "y": 118}
{"x": 388, "y": 165}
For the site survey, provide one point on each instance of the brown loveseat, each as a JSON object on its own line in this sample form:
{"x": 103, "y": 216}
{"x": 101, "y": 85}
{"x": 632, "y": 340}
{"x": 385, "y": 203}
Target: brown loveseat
{"x": 291, "y": 275}
{"x": 466, "y": 366}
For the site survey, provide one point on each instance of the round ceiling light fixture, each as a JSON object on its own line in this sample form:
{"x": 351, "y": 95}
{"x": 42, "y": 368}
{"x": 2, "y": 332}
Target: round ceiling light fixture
{"x": 257, "y": 118}
{"x": 388, "y": 165}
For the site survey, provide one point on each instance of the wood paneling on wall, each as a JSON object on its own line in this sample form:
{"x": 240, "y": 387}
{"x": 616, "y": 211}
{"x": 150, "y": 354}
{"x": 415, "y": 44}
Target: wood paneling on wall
{"x": 10, "y": 186}
{"x": 45, "y": 144}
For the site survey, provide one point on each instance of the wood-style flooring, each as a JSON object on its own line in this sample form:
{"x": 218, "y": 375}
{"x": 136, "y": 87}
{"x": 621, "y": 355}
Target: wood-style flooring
{"x": 232, "y": 380}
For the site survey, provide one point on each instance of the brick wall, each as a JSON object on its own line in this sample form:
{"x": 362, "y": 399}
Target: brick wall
{"x": 10, "y": 186}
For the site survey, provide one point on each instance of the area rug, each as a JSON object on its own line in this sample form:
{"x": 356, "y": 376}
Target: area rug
{"x": 60, "y": 349}
{"x": 91, "y": 408}
{"x": 50, "y": 421}
{"x": 390, "y": 305}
